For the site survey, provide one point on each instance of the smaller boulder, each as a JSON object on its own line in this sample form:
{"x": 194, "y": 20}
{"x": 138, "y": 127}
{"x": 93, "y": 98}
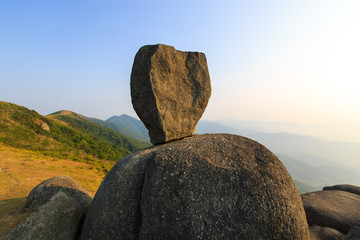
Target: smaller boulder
{"x": 344, "y": 187}
{"x": 43, "y": 192}
{"x": 59, "y": 218}
{"x": 334, "y": 209}
{"x": 325, "y": 233}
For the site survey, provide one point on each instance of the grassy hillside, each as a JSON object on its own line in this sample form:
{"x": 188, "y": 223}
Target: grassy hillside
{"x": 64, "y": 135}
{"x": 99, "y": 131}
{"x": 129, "y": 126}
{"x": 21, "y": 170}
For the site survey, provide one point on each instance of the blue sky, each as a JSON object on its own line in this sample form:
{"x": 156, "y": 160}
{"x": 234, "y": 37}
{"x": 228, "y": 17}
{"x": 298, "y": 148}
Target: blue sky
{"x": 294, "y": 61}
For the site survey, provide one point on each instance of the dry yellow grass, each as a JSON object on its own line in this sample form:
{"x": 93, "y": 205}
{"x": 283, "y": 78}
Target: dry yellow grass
{"x": 22, "y": 170}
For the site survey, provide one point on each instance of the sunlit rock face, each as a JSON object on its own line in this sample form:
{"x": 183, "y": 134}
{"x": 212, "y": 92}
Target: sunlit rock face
{"x": 170, "y": 90}
{"x": 214, "y": 186}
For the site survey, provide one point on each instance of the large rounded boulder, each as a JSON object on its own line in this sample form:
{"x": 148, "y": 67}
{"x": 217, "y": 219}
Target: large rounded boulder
{"x": 216, "y": 186}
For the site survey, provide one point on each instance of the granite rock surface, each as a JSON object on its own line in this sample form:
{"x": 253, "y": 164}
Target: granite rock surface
{"x": 170, "y": 90}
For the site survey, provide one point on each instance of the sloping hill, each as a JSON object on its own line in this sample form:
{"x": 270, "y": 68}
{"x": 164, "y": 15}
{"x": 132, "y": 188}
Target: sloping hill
{"x": 64, "y": 134}
{"x": 128, "y": 126}
{"x": 99, "y": 131}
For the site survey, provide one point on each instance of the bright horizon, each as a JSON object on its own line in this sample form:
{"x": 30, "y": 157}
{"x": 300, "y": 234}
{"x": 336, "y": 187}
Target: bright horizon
{"x": 268, "y": 61}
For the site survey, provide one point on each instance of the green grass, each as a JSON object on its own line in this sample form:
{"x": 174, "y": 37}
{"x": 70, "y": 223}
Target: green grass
{"x": 63, "y": 135}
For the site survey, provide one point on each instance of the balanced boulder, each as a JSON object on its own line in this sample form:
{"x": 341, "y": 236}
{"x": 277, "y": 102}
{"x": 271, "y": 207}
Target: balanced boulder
{"x": 43, "y": 192}
{"x": 214, "y": 186}
{"x": 170, "y": 90}
{"x": 334, "y": 209}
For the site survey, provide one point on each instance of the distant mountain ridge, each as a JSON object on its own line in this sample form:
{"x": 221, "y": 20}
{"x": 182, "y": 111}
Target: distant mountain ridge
{"x": 299, "y": 154}
{"x": 298, "y": 146}
{"x": 329, "y": 133}
{"x": 308, "y": 160}
{"x": 135, "y": 127}
{"x": 318, "y": 176}
{"x": 83, "y": 123}
{"x": 302, "y": 155}
{"x": 125, "y": 125}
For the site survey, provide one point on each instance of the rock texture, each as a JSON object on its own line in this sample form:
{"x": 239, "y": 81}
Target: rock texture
{"x": 353, "y": 234}
{"x": 42, "y": 193}
{"x": 344, "y": 187}
{"x": 170, "y": 90}
{"x": 334, "y": 209}
{"x": 325, "y": 233}
{"x": 215, "y": 186}
{"x": 60, "y": 218}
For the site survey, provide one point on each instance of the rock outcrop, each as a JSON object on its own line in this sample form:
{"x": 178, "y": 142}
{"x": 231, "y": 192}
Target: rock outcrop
{"x": 42, "y": 193}
{"x": 170, "y": 90}
{"x": 344, "y": 187}
{"x": 334, "y": 209}
{"x": 59, "y": 218}
{"x": 216, "y": 186}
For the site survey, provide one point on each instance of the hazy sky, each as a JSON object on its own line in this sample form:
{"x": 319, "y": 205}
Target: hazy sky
{"x": 296, "y": 61}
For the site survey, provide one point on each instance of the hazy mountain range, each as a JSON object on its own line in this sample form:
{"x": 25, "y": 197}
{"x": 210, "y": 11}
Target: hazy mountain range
{"x": 312, "y": 163}
{"x": 307, "y": 159}
{"x": 125, "y": 125}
